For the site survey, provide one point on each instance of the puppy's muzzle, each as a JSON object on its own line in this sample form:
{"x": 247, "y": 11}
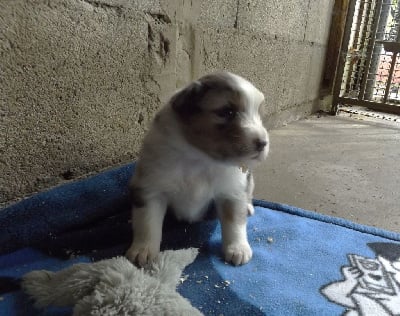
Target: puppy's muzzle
{"x": 260, "y": 144}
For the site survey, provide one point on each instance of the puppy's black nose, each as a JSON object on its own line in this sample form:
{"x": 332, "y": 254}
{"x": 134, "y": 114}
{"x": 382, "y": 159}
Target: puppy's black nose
{"x": 260, "y": 144}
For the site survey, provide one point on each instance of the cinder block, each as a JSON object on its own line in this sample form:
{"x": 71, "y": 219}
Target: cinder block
{"x": 318, "y": 21}
{"x": 217, "y": 14}
{"x": 80, "y": 81}
{"x": 317, "y": 62}
{"x": 283, "y": 19}
{"x": 280, "y": 69}
{"x": 74, "y": 89}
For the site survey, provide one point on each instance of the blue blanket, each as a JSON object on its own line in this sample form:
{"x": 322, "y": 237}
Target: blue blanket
{"x": 303, "y": 263}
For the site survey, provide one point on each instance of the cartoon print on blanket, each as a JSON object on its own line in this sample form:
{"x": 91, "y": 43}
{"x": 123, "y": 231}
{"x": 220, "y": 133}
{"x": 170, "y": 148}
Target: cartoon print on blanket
{"x": 371, "y": 286}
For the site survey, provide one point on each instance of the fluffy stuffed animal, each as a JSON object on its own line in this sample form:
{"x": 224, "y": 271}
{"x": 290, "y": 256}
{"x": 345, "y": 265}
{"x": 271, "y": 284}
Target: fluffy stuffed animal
{"x": 115, "y": 287}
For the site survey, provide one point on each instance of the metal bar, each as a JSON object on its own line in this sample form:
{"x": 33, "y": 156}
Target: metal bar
{"x": 370, "y": 49}
{"x": 342, "y": 56}
{"x": 352, "y": 77}
{"x": 392, "y": 65}
{"x": 366, "y": 27}
{"x": 394, "y": 36}
{"x": 362, "y": 41}
{"x": 377, "y": 106}
{"x": 389, "y": 80}
{"x": 376, "y": 50}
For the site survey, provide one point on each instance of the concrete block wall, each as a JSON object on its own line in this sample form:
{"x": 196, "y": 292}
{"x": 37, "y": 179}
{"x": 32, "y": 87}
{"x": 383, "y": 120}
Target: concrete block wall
{"x": 80, "y": 80}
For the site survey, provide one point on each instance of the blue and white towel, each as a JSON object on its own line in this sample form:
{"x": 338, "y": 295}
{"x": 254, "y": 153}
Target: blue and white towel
{"x": 303, "y": 263}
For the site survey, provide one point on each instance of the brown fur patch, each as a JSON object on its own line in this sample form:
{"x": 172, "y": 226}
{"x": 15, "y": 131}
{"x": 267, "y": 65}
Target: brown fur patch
{"x": 249, "y": 183}
{"x": 249, "y": 186}
{"x": 198, "y": 106}
{"x": 230, "y": 213}
{"x": 136, "y": 195}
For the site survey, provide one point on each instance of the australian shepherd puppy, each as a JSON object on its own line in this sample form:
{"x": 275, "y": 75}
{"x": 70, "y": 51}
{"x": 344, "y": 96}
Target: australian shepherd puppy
{"x": 200, "y": 149}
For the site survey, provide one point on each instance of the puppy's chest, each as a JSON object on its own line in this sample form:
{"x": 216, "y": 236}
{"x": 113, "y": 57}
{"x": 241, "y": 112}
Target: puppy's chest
{"x": 190, "y": 191}
{"x": 195, "y": 183}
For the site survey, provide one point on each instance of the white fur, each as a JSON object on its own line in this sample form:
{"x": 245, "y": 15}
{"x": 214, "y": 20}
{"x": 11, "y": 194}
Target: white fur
{"x": 114, "y": 287}
{"x": 182, "y": 176}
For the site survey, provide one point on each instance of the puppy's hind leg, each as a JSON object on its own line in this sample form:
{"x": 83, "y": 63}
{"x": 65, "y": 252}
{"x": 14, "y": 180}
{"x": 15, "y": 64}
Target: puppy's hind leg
{"x": 147, "y": 222}
{"x": 233, "y": 217}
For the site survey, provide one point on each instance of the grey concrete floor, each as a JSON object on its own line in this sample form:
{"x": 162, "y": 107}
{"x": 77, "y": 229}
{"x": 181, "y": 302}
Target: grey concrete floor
{"x": 338, "y": 166}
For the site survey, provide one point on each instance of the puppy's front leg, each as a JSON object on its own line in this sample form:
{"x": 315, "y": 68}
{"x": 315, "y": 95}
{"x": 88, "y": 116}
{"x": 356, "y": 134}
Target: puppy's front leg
{"x": 147, "y": 222}
{"x": 233, "y": 217}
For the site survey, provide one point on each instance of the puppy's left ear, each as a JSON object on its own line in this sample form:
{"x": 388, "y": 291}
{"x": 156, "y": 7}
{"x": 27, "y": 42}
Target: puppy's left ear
{"x": 186, "y": 101}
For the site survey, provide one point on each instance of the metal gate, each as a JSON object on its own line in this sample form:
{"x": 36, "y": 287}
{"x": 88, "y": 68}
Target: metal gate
{"x": 368, "y": 72}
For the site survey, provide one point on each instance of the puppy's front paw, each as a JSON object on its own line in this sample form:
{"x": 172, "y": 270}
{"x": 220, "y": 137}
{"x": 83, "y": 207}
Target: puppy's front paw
{"x": 237, "y": 253}
{"x": 142, "y": 254}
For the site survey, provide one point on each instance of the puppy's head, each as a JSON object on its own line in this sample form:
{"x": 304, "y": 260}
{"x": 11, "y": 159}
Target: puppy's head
{"x": 219, "y": 114}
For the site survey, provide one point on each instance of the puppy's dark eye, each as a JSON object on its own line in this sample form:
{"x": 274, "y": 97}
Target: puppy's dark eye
{"x": 227, "y": 112}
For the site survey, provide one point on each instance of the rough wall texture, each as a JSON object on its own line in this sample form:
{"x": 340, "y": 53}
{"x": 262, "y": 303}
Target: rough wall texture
{"x": 81, "y": 79}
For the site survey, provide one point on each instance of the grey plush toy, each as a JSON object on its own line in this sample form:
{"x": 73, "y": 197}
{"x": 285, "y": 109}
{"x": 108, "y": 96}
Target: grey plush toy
{"x": 115, "y": 287}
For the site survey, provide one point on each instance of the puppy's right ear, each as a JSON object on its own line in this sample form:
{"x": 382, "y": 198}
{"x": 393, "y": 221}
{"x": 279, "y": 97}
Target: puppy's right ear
{"x": 186, "y": 101}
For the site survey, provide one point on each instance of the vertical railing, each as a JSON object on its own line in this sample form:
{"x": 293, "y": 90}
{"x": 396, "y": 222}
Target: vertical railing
{"x": 371, "y": 49}
{"x": 358, "y": 75}
{"x": 343, "y": 56}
